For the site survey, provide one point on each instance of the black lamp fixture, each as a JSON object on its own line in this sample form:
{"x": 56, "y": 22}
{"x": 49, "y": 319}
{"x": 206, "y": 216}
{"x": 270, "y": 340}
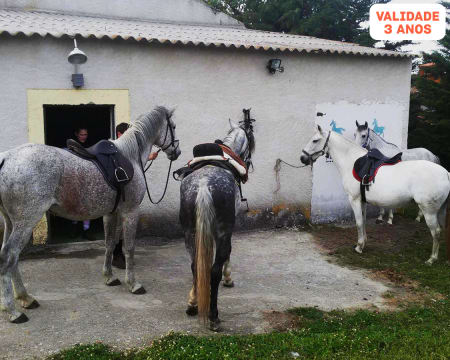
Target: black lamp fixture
{"x": 274, "y": 65}
{"x": 77, "y": 57}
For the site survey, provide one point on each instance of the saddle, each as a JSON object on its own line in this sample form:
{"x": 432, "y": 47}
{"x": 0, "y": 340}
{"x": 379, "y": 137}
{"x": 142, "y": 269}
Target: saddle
{"x": 116, "y": 169}
{"x": 218, "y": 155}
{"x": 366, "y": 167}
{"x": 215, "y": 155}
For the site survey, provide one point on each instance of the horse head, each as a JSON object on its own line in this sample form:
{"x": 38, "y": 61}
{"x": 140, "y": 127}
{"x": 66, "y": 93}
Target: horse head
{"x": 361, "y": 135}
{"x": 167, "y": 140}
{"x": 316, "y": 147}
{"x": 241, "y": 140}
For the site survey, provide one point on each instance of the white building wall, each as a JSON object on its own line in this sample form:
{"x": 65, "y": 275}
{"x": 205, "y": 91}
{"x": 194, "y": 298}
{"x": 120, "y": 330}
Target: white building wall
{"x": 207, "y": 86}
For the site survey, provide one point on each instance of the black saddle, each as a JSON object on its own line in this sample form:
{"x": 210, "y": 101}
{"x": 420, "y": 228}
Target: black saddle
{"x": 366, "y": 167}
{"x": 208, "y": 149}
{"x": 116, "y": 169}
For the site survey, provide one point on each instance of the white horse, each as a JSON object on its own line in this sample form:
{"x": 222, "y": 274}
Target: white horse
{"x": 369, "y": 139}
{"x": 427, "y": 183}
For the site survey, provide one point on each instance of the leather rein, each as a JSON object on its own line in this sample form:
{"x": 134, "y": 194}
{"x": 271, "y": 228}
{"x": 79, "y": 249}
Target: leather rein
{"x": 173, "y": 141}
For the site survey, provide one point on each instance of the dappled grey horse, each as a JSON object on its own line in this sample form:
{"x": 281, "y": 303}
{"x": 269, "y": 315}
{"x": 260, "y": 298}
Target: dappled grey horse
{"x": 210, "y": 199}
{"x": 369, "y": 139}
{"x": 39, "y": 178}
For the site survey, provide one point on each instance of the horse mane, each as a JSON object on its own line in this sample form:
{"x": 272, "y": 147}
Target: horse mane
{"x": 379, "y": 140}
{"x": 350, "y": 142}
{"x": 144, "y": 128}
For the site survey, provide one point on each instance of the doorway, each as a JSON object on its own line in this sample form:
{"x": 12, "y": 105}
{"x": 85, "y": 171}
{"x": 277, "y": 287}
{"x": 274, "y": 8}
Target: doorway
{"x": 60, "y": 124}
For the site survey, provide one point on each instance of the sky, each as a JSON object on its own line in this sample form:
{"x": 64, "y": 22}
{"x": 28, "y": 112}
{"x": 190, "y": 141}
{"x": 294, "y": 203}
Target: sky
{"x": 419, "y": 46}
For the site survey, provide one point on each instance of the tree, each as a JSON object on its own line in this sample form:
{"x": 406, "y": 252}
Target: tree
{"x": 429, "y": 121}
{"x": 327, "y": 19}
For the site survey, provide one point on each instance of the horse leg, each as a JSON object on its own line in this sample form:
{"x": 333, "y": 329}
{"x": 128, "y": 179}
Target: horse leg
{"x": 192, "y": 308}
{"x": 360, "y": 223}
{"x": 380, "y": 220}
{"x": 129, "y": 234}
{"x": 433, "y": 224}
{"x": 109, "y": 225}
{"x": 227, "y": 281}
{"x": 222, "y": 254}
{"x": 9, "y": 257}
{"x": 390, "y": 216}
{"x": 20, "y": 293}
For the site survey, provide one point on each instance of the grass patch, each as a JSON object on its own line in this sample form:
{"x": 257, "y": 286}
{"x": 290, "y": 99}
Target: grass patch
{"x": 420, "y": 331}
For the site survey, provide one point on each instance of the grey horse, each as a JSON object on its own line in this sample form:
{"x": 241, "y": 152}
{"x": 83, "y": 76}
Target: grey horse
{"x": 38, "y": 178}
{"x": 210, "y": 200}
{"x": 369, "y": 139}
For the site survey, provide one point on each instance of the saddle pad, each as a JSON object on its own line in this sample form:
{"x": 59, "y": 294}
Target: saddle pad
{"x": 366, "y": 167}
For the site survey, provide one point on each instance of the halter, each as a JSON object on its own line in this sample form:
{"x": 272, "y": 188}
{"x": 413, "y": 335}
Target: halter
{"x": 173, "y": 141}
{"x": 320, "y": 152}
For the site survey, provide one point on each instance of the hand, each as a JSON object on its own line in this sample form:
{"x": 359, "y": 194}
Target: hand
{"x": 152, "y": 156}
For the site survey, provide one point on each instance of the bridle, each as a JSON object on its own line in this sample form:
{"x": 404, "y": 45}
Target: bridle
{"x": 246, "y": 154}
{"x": 366, "y": 144}
{"x": 320, "y": 152}
{"x": 173, "y": 142}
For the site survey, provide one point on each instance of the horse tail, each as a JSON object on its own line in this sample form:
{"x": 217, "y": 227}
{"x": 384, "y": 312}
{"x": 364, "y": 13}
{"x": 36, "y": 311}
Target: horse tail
{"x": 204, "y": 246}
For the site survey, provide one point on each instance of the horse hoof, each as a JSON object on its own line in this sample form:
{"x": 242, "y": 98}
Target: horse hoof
{"x": 33, "y": 305}
{"x": 418, "y": 219}
{"x": 112, "y": 282}
{"x": 214, "y": 325}
{"x": 429, "y": 262}
{"x": 138, "y": 290}
{"x": 192, "y": 310}
{"x": 358, "y": 249}
{"x": 228, "y": 284}
{"x": 378, "y": 221}
{"x": 22, "y": 318}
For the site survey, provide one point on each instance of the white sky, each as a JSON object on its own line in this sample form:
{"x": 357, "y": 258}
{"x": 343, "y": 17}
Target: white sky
{"x": 419, "y": 46}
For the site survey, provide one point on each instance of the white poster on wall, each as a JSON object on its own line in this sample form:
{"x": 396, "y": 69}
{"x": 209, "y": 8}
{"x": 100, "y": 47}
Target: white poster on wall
{"x": 329, "y": 202}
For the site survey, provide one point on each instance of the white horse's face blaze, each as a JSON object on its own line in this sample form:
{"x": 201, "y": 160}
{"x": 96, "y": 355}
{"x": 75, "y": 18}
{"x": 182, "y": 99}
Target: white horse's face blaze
{"x": 313, "y": 148}
{"x": 168, "y": 139}
{"x": 361, "y": 133}
{"x": 361, "y": 136}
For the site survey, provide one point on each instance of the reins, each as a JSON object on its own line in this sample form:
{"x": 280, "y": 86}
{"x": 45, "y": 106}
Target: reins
{"x": 172, "y": 142}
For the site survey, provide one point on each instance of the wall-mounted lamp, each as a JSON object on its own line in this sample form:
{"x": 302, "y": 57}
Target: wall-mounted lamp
{"x": 274, "y": 65}
{"x": 77, "y": 57}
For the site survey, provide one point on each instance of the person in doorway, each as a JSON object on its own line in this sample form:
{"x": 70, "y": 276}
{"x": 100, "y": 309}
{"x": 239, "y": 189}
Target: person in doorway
{"x": 81, "y": 137}
{"x": 118, "y": 256}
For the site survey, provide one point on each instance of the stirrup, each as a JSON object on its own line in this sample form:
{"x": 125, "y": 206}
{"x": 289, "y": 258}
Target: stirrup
{"x": 124, "y": 176}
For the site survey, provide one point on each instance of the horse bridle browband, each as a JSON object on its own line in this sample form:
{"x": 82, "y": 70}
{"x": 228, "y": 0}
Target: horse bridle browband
{"x": 320, "y": 152}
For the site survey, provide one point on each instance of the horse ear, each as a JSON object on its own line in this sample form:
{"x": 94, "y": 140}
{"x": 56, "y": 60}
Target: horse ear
{"x": 233, "y": 125}
{"x": 357, "y": 125}
{"x": 171, "y": 112}
{"x": 366, "y": 125}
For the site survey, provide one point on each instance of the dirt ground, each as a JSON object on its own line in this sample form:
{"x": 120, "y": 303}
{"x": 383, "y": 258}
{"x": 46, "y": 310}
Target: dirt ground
{"x": 273, "y": 271}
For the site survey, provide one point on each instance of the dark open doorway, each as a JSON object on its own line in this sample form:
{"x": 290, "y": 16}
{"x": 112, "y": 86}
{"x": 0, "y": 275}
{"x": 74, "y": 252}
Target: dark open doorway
{"x": 60, "y": 124}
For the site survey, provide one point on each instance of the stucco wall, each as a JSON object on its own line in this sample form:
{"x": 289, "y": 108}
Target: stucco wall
{"x": 179, "y": 11}
{"x": 207, "y": 86}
